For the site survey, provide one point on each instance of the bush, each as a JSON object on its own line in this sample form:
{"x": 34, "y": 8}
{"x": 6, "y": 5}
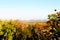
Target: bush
{"x": 17, "y": 30}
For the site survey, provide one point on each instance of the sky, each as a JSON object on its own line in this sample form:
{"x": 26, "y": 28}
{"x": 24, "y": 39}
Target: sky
{"x": 27, "y": 9}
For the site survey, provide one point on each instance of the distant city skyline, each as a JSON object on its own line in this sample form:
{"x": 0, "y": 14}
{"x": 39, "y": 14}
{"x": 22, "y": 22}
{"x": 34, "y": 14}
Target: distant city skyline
{"x": 27, "y": 9}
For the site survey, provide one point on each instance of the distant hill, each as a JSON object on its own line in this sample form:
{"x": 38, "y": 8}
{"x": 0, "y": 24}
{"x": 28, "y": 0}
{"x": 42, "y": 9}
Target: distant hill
{"x": 36, "y": 21}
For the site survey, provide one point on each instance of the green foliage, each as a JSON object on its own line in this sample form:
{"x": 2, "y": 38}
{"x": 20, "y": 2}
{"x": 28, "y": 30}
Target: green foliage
{"x": 7, "y": 29}
{"x": 52, "y": 16}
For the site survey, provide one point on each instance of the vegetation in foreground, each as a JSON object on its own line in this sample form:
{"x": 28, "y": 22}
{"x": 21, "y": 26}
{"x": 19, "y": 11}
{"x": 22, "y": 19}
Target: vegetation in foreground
{"x": 20, "y": 30}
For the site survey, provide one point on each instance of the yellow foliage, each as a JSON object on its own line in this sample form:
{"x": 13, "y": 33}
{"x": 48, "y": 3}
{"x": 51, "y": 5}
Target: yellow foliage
{"x": 41, "y": 25}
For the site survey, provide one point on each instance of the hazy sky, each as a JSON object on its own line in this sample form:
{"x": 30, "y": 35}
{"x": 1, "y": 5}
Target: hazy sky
{"x": 27, "y": 9}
